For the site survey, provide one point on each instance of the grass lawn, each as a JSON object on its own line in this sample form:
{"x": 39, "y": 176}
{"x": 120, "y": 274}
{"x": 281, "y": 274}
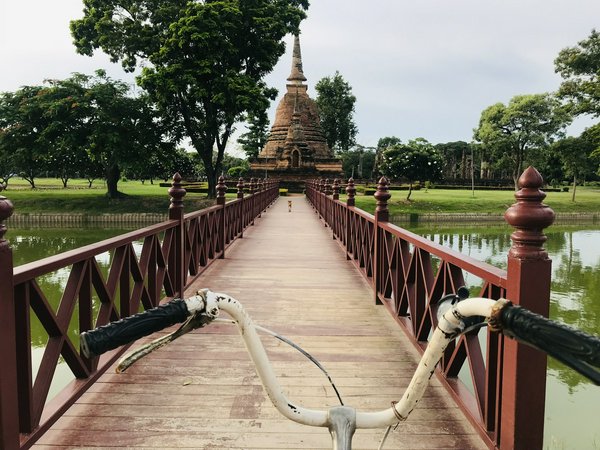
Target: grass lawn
{"x": 50, "y": 197}
{"x": 587, "y": 199}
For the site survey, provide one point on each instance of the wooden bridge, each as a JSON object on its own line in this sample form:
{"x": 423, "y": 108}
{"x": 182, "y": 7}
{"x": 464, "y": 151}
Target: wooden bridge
{"x": 296, "y": 272}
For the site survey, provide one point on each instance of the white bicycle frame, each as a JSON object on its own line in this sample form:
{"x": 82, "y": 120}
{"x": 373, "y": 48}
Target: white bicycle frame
{"x": 342, "y": 421}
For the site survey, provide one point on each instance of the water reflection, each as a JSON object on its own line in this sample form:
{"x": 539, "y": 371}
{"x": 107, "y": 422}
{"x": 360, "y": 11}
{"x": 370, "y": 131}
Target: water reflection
{"x": 572, "y": 400}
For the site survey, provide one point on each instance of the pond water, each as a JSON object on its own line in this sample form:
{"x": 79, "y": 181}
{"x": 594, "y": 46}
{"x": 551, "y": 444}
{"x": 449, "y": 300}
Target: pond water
{"x": 573, "y": 403}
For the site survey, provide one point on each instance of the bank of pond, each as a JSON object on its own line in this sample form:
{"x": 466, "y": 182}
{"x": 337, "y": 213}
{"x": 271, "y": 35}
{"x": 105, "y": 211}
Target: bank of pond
{"x": 572, "y": 401}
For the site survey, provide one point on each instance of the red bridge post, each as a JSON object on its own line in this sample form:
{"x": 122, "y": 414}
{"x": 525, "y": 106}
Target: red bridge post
{"x": 9, "y": 407}
{"x": 382, "y": 214}
{"x": 529, "y": 273}
{"x": 221, "y": 190}
{"x": 350, "y": 203}
{"x": 240, "y": 195}
{"x": 177, "y": 192}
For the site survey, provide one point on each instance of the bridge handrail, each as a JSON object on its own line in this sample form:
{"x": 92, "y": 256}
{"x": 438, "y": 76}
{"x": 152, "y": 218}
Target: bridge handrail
{"x": 507, "y": 403}
{"x": 173, "y": 253}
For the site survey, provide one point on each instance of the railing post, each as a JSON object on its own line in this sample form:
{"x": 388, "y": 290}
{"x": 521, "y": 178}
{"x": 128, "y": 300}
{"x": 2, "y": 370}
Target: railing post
{"x": 177, "y": 192}
{"x": 252, "y": 198}
{"x": 382, "y": 214}
{"x": 9, "y": 404}
{"x": 327, "y": 192}
{"x": 260, "y": 188}
{"x": 350, "y": 192}
{"x": 221, "y": 190}
{"x": 240, "y": 196}
{"x": 528, "y": 284}
{"x": 336, "y": 196}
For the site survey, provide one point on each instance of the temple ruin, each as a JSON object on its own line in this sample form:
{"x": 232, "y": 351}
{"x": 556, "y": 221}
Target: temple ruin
{"x": 296, "y": 148}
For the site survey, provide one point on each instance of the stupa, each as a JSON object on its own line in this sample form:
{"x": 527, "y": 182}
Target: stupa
{"x": 296, "y": 148}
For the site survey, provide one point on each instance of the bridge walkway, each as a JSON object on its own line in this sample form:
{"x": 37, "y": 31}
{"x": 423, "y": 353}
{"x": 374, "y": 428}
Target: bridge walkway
{"x": 202, "y": 392}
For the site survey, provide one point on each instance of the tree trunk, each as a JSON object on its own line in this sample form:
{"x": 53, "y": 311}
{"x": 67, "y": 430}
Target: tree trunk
{"x": 211, "y": 177}
{"x": 574, "y": 187}
{"x": 113, "y": 174}
{"x": 64, "y": 182}
{"x": 409, "y": 190}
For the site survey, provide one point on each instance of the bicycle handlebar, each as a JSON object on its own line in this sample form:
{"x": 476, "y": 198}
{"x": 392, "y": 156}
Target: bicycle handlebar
{"x": 575, "y": 348}
{"x": 129, "y": 329}
{"x": 572, "y": 347}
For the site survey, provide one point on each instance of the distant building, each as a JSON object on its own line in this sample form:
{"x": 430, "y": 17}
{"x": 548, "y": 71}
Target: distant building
{"x": 296, "y": 148}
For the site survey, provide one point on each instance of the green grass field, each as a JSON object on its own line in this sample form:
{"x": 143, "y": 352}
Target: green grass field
{"x": 50, "y": 197}
{"x": 587, "y": 199}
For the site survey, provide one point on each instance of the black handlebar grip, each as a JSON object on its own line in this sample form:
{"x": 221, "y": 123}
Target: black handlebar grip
{"x": 110, "y": 336}
{"x": 572, "y": 347}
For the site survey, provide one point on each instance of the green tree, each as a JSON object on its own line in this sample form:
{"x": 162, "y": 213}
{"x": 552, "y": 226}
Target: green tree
{"x": 456, "y": 157}
{"x": 574, "y": 153}
{"x": 122, "y": 130}
{"x": 382, "y": 145}
{"x": 358, "y": 162}
{"x": 23, "y": 121}
{"x": 256, "y": 137}
{"x": 579, "y": 66}
{"x": 528, "y": 123}
{"x": 417, "y": 160}
{"x": 204, "y": 61}
{"x": 336, "y": 109}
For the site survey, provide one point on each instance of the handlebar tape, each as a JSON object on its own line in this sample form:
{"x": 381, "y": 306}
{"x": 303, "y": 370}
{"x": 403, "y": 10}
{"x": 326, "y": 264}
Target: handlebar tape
{"x": 110, "y": 336}
{"x": 572, "y": 347}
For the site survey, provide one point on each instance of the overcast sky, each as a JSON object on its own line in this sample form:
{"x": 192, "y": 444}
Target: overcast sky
{"x": 419, "y": 68}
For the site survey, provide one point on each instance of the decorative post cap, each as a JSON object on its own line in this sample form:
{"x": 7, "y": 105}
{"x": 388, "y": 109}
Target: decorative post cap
{"x": 240, "y": 188}
{"x": 529, "y": 216}
{"x": 221, "y": 190}
{"x": 382, "y": 196}
{"x": 327, "y": 187}
{"x": 6, "y": 210}
{"x": 336, "y": 189}
{"x": 177, "y": 192}
{"x": 351, "y": 192}
{"x": 252, "y": 185}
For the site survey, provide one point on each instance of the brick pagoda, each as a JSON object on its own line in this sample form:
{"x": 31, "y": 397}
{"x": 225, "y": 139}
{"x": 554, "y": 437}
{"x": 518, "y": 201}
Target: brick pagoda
{"x": 296, "y": 148}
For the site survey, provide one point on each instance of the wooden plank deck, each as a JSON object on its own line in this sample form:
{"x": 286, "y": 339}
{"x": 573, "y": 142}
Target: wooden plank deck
{"x": 202, "y": 392}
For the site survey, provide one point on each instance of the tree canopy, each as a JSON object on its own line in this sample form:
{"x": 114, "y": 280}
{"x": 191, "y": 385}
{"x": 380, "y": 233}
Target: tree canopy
{"x": 204, "y": 61}
{"x": 417, "y": 160}
{"x": 528, "y": 123}
{"x": 579, "y": 66}
{"x": 336, "y": 110}
{"x": 256, "y": 137}
{"x": 83, "y": 124}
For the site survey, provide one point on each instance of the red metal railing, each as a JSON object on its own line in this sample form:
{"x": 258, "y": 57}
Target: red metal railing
{"x": 409, "y": 274}
{"x": 172, "y": 254}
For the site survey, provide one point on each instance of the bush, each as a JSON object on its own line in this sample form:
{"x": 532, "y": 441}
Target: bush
{"x": 565, "y": 189}
{"x": 283, "y": 192}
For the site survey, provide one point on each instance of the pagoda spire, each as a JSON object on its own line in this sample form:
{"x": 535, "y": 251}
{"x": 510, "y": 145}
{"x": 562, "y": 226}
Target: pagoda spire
{"x": 297, "y": 75}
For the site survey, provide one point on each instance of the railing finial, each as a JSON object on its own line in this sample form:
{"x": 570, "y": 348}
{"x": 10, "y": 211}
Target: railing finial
{"x": 221, "y": 190}
{"x": 351, "y": 192}
{"x": 177, "y": 192}
{"x": 327, "y": 187}
{"x": 6, "y": 210}
{"x": 382, "y": 196}
{"x": 529, "y": 216}
{"x": 336, "y": 189}
{"x": 240, "y": 188}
